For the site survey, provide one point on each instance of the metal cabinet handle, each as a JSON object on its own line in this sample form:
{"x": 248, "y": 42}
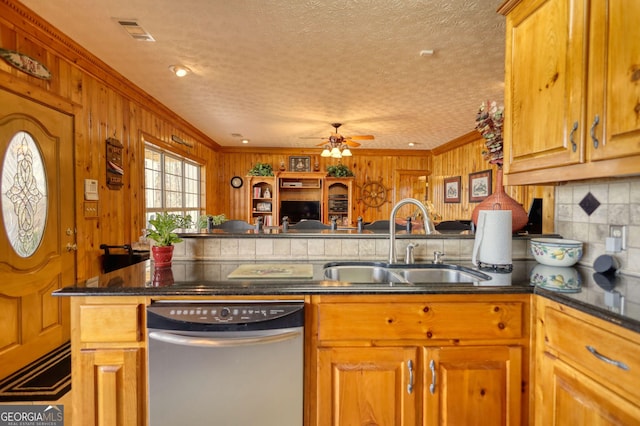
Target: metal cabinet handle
{"x": 596, "y": 120}
{"x": 608, "y": 360}
{"x": 411, "y": 379}
{"x": 574, "y": 146}
{"x": 432, "y": 386}
{"x": 257, "y": 338}
{"x": 72, "y": 247}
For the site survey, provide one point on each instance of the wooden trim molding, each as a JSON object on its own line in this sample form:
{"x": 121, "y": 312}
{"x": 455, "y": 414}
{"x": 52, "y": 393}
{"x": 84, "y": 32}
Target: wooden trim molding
{"x": 457, "y": 142}
{"x": 508, "y": 6}
{"x": 50, "y": 38}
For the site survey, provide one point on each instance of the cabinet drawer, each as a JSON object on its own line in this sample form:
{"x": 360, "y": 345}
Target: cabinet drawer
{"x": 110, "y": 323}
{"x": 419, "y": 321}
{"x": 570, "y": 338}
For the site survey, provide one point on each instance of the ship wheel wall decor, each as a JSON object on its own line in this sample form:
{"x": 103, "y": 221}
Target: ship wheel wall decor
{"x": 373, "y": 193}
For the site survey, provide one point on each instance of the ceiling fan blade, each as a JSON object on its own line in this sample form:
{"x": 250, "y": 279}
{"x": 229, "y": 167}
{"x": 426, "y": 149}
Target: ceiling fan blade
{"x": 352, "y": 143}
{"x": 322, "y": 143}
{"x": 361, "y": 138}
{"x": 312, "y": 137}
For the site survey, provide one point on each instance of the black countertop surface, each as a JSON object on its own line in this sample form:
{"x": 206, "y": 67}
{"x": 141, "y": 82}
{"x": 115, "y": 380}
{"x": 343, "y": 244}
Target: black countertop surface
{"x": 615, "y": 299}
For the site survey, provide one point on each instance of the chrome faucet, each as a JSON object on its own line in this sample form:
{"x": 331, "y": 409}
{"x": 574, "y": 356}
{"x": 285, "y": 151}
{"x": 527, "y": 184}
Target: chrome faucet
{"x": 428, "y": 224}
{"x": 437, "y": 257}
{"x": 408, "y": 257}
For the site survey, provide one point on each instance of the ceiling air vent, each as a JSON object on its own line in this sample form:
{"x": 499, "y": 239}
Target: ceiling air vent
{"x": 134, "y": 29}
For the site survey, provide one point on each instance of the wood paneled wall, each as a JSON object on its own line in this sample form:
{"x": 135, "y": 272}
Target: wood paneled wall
{"x": 367, "y": 165}
{"x": 463, "y": 156}
{"x": 103, "y": 105}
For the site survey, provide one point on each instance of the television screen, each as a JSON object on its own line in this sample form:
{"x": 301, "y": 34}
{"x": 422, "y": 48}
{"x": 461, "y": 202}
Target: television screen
{"x": 299, "y": 210}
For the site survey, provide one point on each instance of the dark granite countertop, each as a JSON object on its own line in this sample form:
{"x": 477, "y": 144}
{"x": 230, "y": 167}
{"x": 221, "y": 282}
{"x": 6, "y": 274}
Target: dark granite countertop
{"x": 275, "y": 231}
{"x": 616, "y": 299}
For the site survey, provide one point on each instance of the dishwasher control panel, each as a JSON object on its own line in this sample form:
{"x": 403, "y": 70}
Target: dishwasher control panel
{"x": 224, "y": 312}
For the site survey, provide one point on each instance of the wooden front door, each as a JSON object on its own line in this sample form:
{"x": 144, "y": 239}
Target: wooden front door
{"x": 37, "y": 229}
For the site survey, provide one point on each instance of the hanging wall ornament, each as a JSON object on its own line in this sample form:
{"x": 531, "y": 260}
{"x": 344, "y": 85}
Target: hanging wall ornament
{"x": 373, "y": 193}
{"x": 25, "y": 64}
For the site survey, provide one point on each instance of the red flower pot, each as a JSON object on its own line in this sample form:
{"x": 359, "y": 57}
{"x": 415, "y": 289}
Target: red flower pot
{"x": 162, "y": 256}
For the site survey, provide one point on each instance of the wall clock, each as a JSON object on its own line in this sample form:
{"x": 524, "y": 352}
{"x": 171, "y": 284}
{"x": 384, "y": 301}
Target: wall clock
{"x": 236, "y": 181}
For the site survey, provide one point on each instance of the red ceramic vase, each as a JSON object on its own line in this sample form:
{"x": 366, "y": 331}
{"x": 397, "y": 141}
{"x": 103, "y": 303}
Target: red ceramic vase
{"x": 162, "y": 256}
{"x": 500, "y": 200}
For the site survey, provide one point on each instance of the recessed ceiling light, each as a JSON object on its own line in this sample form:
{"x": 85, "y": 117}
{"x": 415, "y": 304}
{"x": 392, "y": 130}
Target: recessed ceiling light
{"x": 245, "y": 140}
{"x": 411, "y": 144}
{"x": 179, "y": 70}
{"x": 426, "y": 52}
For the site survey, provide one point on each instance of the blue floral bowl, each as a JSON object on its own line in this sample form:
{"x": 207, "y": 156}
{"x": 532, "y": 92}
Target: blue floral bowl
{"x": 556, "y": 251}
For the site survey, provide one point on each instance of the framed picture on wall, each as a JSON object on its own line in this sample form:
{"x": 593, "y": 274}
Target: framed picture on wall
{"x": 479, "y": 186}
{"x": 300, "y": 163}
{"x": 452, "y": 189}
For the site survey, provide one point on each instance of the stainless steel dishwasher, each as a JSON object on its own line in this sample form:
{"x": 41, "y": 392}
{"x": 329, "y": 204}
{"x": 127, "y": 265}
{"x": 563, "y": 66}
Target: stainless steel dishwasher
{"x": 232, "y": 363}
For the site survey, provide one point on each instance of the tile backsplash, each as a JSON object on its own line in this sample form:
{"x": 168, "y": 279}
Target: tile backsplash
{"x": 619, "y": 205}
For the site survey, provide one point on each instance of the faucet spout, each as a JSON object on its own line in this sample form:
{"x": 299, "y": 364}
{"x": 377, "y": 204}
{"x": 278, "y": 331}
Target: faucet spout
{"x": 429, "y": 228}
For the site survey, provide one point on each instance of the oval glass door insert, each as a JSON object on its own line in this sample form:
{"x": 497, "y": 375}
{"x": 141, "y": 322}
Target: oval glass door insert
{"x": 24, "y": 194}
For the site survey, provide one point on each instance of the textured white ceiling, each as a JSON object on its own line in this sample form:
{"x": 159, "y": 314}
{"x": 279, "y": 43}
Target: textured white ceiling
{"x": 274, "y": 71}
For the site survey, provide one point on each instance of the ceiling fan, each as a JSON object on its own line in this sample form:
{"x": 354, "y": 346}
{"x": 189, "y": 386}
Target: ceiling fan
{"x": 337, "y": 140}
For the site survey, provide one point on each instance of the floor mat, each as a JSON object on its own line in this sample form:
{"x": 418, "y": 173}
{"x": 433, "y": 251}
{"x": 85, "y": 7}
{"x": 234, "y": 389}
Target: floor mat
{"x": 46, "y": 379}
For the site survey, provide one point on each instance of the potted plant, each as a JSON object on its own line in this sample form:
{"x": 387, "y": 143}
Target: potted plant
{"x": 162, "y": 232}
{"x": 261, "y": 169}
{"x": 339, "y": 170}
{"x": 215, "y": 219}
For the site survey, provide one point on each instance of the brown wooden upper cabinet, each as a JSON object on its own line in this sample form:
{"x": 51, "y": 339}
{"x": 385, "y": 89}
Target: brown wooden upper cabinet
{"x": 572, "y": 91}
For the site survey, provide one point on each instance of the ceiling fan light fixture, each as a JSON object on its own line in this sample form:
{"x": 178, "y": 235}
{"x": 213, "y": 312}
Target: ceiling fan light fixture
{"x": 325, "y": 152}
{"x": 346, "y": 152}
{"x": 335, "y": 152}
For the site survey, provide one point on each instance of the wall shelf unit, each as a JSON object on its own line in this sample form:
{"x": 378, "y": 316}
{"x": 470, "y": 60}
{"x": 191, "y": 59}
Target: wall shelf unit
{"x": 319, "y": 195}
{"x": 263, "y": 200}
{"x": 338, "y": 200}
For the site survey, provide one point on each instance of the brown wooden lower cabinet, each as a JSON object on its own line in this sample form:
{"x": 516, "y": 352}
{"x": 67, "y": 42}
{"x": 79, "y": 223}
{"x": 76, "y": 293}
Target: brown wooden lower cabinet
{"x": 399, "y": 386}
{"x": 587, "y": 369}
{"x": 367, "y": 386}
{"x": 108, "y": 356}
{"x": 416, "y": 360}
{"x": 398, "y": 360}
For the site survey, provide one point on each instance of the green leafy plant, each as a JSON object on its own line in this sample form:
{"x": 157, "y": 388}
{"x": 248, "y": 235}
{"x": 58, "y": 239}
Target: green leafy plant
{"x": 261, "y": 169}
{"x": 203, "y": 221}
{"x": 339, "y": 170}
{"x": 163, "y": 225}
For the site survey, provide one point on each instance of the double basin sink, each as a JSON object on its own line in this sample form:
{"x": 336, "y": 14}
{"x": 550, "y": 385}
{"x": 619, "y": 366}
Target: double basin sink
{"x": 418, "y": 274}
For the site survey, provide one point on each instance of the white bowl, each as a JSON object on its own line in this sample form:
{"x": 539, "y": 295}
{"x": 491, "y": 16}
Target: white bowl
{"x": 556, "y": 251}
{"x": 562, "y": 279}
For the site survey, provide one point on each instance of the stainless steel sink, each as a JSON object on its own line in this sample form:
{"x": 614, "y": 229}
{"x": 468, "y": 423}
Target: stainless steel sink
{"x": 361, "y": 273}
{"x": 375, "y": 272}
{"x": 440, "y": 274}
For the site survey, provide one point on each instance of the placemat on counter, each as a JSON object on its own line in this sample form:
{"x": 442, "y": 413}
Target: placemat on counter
{"x": 273, "y": 270}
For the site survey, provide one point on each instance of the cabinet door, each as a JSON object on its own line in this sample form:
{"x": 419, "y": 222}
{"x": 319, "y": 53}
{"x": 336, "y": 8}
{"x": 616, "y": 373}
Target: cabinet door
{"x": 111, "y": 389}
{"x": 367, "y": 386}
{"x": 472, "y": 385}
{"x": 545, "y": 79}
{"x": 614, "y": 81}
{"x": 568, "y": 397}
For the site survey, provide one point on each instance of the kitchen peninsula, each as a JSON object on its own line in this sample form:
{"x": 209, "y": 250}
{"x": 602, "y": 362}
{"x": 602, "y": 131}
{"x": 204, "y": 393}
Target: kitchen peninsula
{"x": 380, "y": 337}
